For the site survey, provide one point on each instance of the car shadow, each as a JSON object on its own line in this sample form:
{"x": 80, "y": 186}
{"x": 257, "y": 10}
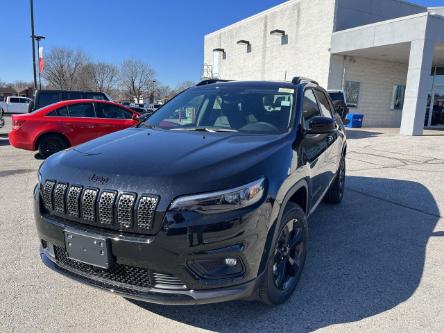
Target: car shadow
{"x": 365, "y": 256}
{"x": 4, "y": 140}
{"x": 361, "y": 134}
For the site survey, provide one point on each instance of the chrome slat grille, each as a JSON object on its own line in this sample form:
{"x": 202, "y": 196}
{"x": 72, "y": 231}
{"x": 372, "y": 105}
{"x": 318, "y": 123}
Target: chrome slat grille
{"x": 167, "y": 281}
{"x": 125, "y": 210}
{"x": 121, "y": 211}
{"x": 89, "y": 204}
{"x": 106, "y": 207}
{"x": 73, "y": 201}
{"x": 145, "y": 211}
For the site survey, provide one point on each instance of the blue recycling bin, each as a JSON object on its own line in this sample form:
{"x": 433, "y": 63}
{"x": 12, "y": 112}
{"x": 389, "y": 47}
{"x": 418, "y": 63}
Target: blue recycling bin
{"x": 354, "y": 120}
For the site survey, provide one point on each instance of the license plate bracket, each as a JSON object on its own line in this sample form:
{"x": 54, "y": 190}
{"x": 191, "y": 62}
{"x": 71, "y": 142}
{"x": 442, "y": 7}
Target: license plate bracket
{"x": 88, "y": 248}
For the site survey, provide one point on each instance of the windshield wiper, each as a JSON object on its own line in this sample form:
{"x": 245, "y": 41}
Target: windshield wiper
{"x": 205, "y": 129}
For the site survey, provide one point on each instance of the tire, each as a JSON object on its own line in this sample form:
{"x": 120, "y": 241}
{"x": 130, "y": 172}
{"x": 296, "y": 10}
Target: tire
{"x": 335, "y": 193}
{"x": 287, "y": 257}
{"x": 51, "y": 144}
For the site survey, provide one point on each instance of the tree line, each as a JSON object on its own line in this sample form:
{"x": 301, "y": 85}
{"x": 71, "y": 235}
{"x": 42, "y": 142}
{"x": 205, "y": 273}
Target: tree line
{"x": 68, "y": 69}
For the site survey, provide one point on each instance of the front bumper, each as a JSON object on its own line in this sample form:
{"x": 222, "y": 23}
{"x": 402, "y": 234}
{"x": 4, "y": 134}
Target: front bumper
{"x": 171, "y": 252}
{"x": 160, "y": 296}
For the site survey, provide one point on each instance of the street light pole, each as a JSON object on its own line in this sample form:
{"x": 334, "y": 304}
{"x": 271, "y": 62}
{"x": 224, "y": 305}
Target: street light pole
{"x": 153, "y": 91}
{"x": 33, "y": 44}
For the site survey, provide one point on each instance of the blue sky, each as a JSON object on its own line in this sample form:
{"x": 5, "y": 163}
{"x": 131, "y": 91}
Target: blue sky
{"x": 167, "y": 34}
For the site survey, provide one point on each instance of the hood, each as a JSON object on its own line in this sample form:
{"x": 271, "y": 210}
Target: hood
{"x": 167, "y": 163}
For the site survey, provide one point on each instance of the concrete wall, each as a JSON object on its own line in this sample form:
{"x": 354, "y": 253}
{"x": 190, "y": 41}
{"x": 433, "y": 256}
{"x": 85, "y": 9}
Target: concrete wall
{"x": 353, "y": 13}
{"x": 377, "y": 79}
{"x": 308, "y": 23}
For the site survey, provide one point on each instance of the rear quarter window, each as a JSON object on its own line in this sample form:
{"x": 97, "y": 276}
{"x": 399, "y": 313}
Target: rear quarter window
{"x": 60, "y": 112}
{"x": 82, "y": 110}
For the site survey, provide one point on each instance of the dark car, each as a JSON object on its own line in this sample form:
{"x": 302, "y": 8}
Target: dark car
{"x": 141, "y": 110}
{"x": 207, "y": 207}
{"x": 2, "y": 121}
{"x": 44, "y": 98}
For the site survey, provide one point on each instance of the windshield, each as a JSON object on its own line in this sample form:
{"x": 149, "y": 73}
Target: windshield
{"x": 243, "y": 109}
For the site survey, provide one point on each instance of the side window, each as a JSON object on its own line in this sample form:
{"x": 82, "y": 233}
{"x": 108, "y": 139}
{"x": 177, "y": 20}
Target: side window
{"x": 95, "y": 96}
{"x": 83, "y": 110}
{"x": 74, "y": 95}
{"x": 110, "y": 111}
{"x": 60, "y": 112}
{"x": 311, "y": 108}
{"x": 14, "y": 100}
{"x": 45, "y": 98}
{"x": 326, "y": 110}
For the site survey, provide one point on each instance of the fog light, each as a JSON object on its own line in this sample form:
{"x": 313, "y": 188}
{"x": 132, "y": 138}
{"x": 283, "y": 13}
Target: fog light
{"x": 217, "y": 268}
{"x": 230, "y": 262}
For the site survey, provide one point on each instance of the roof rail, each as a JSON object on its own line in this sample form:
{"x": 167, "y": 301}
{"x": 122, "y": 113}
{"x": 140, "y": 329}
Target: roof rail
{"x": 299, "y": 79}
{"x": 210, "y": 81}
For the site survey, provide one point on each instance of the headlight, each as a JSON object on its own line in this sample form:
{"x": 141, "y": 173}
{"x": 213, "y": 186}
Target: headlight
{"x": 222, "y": 201}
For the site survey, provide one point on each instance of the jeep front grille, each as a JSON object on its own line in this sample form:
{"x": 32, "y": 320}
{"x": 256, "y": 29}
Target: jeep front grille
{"x": 145, "y": 211}
{"x": 89, "y": 204}
{"x": 125, "y": 210}
{"x": 48, "y": 188}
{"x": 106, "y": 208}
{"x": 73, "y": 201}
{"x": 59, "y": 197}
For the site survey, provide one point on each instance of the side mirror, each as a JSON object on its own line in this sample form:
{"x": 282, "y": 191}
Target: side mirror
{"x": 135, "y": 117}
{"x": 322, "y": 125}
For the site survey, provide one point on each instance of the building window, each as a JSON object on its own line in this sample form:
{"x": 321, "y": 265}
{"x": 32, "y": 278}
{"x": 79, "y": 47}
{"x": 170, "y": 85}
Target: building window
{"x": 352, "y": 93}
{"x": 398, "y": 97}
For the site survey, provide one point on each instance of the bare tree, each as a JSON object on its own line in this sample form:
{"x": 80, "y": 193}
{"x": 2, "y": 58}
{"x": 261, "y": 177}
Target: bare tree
{"x": 163, "y": 92}
{"x": 63, "y": 67}
{"x": 136, "y": 79}
{"x": 19, "y": 86}
{"x": 99, "y": 76}
{"x": 181, "y": 86}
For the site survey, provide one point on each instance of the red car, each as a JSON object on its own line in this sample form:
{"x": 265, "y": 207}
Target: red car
{"x": 68, "y": 123}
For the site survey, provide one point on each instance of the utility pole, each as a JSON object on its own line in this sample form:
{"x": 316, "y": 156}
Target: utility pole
{"x": 33, "y": 43}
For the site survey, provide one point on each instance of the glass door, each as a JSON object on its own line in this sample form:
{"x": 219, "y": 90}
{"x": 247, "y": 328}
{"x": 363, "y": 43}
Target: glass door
{"x": 435, "y": 108}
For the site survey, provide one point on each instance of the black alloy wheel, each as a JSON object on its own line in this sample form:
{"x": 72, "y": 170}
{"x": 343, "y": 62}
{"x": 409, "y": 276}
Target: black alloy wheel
{"x": 51, "y": 144}
{"x": 289, "y": 255}
{"x": 286, "y": 258}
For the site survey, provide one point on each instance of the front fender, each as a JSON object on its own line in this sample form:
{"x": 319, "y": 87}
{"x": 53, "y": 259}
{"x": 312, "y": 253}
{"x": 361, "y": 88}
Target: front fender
{"x": 287, "y": 190}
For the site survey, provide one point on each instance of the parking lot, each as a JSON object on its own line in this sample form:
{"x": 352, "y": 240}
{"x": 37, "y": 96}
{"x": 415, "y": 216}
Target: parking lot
{"x": 375, "y": 262}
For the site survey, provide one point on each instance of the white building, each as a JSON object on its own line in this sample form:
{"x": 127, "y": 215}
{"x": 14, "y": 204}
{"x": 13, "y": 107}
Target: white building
{"x": 387, "y": 55}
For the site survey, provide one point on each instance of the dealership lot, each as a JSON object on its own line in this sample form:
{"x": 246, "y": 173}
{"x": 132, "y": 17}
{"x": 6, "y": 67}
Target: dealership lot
{"x": 375, "y": 261}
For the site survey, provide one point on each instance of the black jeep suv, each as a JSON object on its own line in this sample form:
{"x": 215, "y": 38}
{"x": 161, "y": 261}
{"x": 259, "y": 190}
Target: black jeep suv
{"x": 205, "y": 201}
